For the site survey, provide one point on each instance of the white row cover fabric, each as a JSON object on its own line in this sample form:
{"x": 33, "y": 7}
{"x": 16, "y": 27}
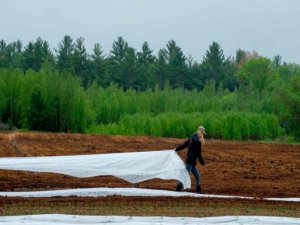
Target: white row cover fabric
{"x": 132, "y": 192}
{"x": 133, "y": 167}
{"x": 59, "y": 219}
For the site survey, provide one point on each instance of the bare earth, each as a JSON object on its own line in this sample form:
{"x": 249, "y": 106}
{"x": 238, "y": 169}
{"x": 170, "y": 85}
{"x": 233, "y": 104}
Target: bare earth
{"x": 232, "y": 168}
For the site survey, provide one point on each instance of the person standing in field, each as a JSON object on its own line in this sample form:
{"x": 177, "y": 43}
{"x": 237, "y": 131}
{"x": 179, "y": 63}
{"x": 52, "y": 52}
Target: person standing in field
{"x": 193, "y": 144}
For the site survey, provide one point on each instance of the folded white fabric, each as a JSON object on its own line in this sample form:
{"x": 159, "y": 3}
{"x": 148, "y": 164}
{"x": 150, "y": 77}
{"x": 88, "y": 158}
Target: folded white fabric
{"x": 133, "y": 167}
{"x": 59, "y": 219}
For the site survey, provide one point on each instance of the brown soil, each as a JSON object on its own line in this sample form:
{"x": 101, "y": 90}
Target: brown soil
{"x": 232, "y": 168}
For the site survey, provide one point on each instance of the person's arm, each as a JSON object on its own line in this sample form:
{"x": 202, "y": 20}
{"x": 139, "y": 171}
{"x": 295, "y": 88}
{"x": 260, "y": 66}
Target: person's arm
{"x": 201, "y": 160}
{"x": 182, "y": 146}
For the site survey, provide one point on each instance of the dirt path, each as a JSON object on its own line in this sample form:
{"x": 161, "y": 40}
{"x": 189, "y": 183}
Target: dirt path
{"x": 233, "y": 168}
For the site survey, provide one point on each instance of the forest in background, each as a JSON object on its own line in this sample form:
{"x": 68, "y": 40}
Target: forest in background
{"x": 137, "y": 92}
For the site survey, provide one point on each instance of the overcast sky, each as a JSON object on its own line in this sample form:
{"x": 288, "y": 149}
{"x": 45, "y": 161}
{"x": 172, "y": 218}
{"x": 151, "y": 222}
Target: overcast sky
{"x": 269, "y": 27}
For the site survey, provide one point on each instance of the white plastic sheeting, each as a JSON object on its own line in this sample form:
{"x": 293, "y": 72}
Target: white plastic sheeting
{"x": 133, "y": 167}
{"x": 104, "y": 192}
{"x": 48, "y": 219}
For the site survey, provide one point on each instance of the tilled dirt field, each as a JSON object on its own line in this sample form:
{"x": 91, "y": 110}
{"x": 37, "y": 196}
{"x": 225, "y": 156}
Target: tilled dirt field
{"x": 232, "y": 168}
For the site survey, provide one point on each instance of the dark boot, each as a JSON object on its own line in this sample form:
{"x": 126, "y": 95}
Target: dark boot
{"x": 198, "y": 189}
{"x": 179, "y": 187}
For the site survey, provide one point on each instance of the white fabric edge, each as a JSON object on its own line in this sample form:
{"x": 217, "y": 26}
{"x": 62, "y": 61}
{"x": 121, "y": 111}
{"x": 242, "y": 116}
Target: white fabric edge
{"x": 47, "y": 219}
{"x": 104, "y": 192}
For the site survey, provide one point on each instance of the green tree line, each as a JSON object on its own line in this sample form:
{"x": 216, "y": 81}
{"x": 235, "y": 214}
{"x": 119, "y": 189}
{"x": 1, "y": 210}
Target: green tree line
{"x": 138, "y": 93}
{"x": 124, "y": 65}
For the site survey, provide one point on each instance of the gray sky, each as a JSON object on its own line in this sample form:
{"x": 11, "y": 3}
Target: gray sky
{"x": 269, "y": 27}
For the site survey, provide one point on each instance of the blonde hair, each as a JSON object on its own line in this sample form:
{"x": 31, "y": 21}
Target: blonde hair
{"x": 201, "y": 136}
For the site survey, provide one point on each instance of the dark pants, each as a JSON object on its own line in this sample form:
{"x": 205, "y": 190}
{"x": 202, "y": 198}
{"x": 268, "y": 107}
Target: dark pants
{"x": 189, "y": 167}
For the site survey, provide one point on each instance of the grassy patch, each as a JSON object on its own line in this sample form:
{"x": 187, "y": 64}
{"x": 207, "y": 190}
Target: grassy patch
{"x": 282, "y": 140}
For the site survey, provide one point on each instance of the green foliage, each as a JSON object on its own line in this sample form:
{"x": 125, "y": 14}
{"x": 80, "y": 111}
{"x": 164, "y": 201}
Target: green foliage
{"x": 79, "y": 61}
{"x": 36, "y": 54}
{"x": 256, "y": 74}
{"x": 64, "y": 55}
{"x": 160, "y": 69}
{"x": 289, "y": 95}
{"x": 42, "y": 101}
{"x": 145, "y": 64}
{"x": 11, "y": 55}
{"x": 176, "y": 64}
{"x": 213, "y": 62}
{"x": 37, "y": 112}
{"x": 229, "y": 125}
{"x": 10, "y": 83}
{"x": 97, "y": 66}
{"x": 138, "y": 93}
{"x": 216, "y": 67}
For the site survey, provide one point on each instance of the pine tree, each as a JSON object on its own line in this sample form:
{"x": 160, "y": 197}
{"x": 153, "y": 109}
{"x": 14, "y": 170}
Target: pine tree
{"x": 98, "y": 65}
{"x": 216, "y": 67}
{"x": 35, "y": 54}
{"x": 213, "y": 63}
{"x": 3, "y": 60}
{"x": 118, "y": 51}
{"x": 161, "y": 69}
{"x": 277, "y": 60}
{"x": 177, "y": 68}
{"x": 64, "y": 57}
{"x": 193, "y": 78}
{"x": 80, "y": 62}
{"x": 117, "y": 59}
{"x": 145, "y": 60}
{"x": 11, "y": 54}
{"x": 129, "y": 69}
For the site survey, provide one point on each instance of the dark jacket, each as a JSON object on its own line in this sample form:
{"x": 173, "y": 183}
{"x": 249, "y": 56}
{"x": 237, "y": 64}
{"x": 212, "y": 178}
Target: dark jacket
{"x": 194, "y": 150}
